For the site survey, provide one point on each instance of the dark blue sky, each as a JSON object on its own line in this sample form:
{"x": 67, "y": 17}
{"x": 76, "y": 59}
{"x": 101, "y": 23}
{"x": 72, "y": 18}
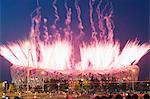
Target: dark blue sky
{"x": 131, "y": 19}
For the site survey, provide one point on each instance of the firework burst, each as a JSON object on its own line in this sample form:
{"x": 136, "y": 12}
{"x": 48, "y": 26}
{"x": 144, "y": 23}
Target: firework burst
{"x": 56, "y": 53}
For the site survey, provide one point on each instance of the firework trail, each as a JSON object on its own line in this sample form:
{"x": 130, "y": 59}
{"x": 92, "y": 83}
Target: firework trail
{"x": 67, "y": 30}
{"x": 100, "y": 21}
{"x": 35, "y": 34}
{"x": 109, "y": 24}
{"x": 56, "y": 13}
{"x": 46, "y": 36}
{"x": 91, "y": 20}
{"x": 80, "y": 26}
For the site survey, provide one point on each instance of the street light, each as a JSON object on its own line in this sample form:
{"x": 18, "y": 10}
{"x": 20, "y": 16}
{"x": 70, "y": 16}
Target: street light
{"x": 82, "y": 79}
{"x": 81, "y": 84}
{"x": 58, "y": 84}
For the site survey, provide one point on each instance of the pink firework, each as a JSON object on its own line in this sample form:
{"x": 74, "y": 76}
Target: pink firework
{"x": 56, "y": 53}
{"x": 107, "y": 55}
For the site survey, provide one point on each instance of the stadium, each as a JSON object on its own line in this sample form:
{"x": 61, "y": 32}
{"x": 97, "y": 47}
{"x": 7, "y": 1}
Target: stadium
{"x": 38, "y": 76}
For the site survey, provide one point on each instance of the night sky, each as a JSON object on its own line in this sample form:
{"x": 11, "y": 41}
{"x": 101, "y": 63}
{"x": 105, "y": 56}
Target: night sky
{"x": 131, "y": 19}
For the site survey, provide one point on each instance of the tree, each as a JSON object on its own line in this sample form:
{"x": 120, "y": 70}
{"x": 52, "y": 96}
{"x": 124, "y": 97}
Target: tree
{"x": 1, "y": 87}
{"x": 86, "y": 84}
{"x": 12, "y": 88}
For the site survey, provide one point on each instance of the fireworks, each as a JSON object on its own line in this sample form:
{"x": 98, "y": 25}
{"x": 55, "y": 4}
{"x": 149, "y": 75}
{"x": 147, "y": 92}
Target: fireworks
{"x": 57, "y": 53}
{"x": 107, "y": 55}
